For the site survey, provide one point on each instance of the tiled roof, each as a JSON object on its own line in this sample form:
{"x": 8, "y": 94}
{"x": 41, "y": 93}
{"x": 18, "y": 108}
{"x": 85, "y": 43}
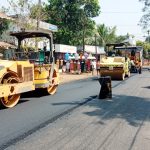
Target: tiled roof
{"x": 3, "y": 15}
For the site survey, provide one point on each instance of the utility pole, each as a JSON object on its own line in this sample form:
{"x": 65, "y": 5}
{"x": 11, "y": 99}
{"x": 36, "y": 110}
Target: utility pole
{"x": 83, "y": 40}
{"x": 39, "y": 14}
{"x": 148, "y": 36}
{"x": 95, "y": 44}
{"x": 84, "y": 19}
{"x": 148, "y": 42}
{"x": 38, "y": 21}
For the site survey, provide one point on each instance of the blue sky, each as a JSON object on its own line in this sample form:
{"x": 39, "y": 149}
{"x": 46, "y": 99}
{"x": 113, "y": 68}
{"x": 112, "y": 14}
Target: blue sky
{"x": 125, "y": 14}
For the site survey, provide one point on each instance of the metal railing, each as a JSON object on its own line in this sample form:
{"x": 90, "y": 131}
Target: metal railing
{"x": 40, "y": 57}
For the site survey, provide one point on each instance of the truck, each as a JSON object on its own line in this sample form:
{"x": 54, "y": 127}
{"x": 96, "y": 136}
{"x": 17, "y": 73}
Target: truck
{"x": 135, "y": 54}
{"x": 24, "y": 70}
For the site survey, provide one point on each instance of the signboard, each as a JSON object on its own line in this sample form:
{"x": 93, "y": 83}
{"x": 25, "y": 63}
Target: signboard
{"x": 100, "y": 50}
{"x": 43, "y": 25}
{"x": 65, "y": 48}
{"x": 48, "y": 26}
{"x": 92, "y": 49}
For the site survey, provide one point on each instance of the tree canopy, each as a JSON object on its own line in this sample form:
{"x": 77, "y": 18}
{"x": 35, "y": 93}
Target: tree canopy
{"x": 4, "y": 23}
{"x": 145, "y": 20}
{"x": 106, "y": 34}
{"x": 146, "y": 48}
{"x": 73, "y": 18}
{"x": 25, "y": 10}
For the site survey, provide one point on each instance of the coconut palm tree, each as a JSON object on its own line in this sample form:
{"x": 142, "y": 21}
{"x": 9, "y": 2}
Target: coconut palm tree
{"x": 106, "y": 34}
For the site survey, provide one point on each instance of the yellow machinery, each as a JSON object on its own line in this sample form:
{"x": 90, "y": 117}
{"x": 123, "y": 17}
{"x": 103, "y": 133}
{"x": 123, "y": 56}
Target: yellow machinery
{"x": 116, "y": 67}
{"x": 27, "y": 70}
{"x": 135, "y": 54}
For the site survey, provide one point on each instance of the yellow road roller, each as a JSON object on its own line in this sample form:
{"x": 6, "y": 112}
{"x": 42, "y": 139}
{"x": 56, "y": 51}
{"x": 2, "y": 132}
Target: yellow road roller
{"x": 116, "y": 67}
{"x": 27, "y": 68}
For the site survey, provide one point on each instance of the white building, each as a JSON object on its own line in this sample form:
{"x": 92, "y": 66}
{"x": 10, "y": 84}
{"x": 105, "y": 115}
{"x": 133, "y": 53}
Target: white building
{"x": 92, "y": 49}
{"x": 61, "y": 50}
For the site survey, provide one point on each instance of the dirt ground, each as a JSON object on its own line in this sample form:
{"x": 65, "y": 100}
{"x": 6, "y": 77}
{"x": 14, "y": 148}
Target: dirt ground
{"x": 68, "y": 77}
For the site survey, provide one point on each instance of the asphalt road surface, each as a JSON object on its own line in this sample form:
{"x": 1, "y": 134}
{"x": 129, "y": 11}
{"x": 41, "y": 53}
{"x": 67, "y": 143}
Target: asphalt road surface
{"x": 36, "y": 109}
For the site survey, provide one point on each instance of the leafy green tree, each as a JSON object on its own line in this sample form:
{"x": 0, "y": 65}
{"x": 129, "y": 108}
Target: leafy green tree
{"x": 146, "y": 48}
{"x": 147, "y": 39}
{"x": 120, "y": 38}
{"x": 25, "y": 11}
{"x": 4, "y": 23}
{"x": 38, "y": 12}
{"x": 20, "y": 9}
{"x": 73, "y": 18}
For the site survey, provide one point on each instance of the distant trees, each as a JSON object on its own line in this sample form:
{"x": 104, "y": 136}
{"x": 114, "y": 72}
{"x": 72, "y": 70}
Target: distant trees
{"x": 106, "y": 34}
{"x": 24, "y": 11}
{"x": 145, "y": 20}
{"x": 121, "y": 38}
{"x": 4, "y": 23}
{"x": 147, "y": 39}
{"x": 146, "y": 48}
{"x": 73, "y": 18}
{"x": 21, "y": 10}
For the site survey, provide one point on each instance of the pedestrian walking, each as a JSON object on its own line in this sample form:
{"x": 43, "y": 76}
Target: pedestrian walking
{"x": 68, "y": 66}
{"x": 71, "y": 66}
{"x": 79, "y": 67}
{"x": 98, "y": 68}
{"x": 64, "y": 67}
{"x": 82, "y": 64}
{"x": 93, "y": 65}
{"x": 88, "y": 65}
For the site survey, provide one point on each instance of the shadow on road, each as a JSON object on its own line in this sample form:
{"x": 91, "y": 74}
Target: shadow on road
{"x": 147, "y": 87}
{"x": 79, "y": 103}
{"x": 33, "y": 94}
{"x": 130, "y": 108}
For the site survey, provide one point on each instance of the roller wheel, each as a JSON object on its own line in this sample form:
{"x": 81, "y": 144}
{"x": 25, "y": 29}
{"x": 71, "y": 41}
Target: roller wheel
{"x": 123, "y": 76}
{"x": 10, "y": 101}
{"x": 128, "y": 75}
{"x": 53, "y": 88}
